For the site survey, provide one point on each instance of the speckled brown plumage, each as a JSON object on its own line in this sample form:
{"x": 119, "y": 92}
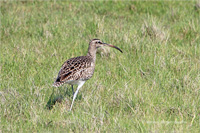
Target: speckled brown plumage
{"x": 78, "y": 68}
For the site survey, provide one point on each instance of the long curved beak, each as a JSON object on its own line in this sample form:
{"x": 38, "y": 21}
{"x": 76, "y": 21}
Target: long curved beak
{"x": 113, "y": 47}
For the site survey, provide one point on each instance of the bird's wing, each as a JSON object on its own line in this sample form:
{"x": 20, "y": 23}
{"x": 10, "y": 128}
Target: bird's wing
{"x": 71, "y": 68}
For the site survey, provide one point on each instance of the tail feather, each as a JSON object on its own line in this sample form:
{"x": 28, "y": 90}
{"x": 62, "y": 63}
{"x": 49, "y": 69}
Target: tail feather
{"x": 57, "y": 84}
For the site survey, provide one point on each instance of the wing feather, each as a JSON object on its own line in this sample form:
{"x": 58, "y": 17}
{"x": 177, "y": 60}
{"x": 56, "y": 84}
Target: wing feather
{"x": 73, "y": 69}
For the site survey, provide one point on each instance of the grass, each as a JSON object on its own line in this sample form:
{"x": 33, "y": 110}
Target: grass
{"x": 154, "y": 86}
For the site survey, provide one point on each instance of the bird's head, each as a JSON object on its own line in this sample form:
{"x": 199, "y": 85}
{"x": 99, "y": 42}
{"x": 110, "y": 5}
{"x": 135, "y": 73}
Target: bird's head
{"x": 98, "y": 43}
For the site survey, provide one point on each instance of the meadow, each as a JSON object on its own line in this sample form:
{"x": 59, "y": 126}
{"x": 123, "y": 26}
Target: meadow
{"x": 153, "y": 86}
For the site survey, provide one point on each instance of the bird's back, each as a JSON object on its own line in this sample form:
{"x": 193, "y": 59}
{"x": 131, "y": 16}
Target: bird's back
{"x": 75, "y": 69}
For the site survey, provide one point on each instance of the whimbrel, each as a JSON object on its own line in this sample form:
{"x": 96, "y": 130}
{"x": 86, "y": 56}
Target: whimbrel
{"x": 79, "y": 69}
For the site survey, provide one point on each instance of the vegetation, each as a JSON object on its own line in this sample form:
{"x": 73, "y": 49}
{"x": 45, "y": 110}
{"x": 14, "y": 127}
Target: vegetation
{"x": 154, "y": 86}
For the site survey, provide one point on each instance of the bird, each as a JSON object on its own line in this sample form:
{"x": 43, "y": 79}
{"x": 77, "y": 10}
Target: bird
{"x": 77, "y": 70}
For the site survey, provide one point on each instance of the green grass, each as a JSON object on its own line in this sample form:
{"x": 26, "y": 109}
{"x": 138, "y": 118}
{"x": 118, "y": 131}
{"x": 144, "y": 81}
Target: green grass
{"x": 154, "y": 86}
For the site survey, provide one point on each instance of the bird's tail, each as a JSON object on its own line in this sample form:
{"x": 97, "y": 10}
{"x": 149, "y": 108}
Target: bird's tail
{"x": 57, "y": 84}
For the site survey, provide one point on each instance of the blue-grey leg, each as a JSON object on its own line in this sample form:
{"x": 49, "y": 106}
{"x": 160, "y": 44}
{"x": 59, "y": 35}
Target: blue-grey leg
{"x": 72, "y": 89}
{"x": 75, "y": 94}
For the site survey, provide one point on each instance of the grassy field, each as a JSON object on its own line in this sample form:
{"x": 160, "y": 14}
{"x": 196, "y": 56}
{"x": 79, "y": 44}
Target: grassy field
{"x": 154, "y": 86}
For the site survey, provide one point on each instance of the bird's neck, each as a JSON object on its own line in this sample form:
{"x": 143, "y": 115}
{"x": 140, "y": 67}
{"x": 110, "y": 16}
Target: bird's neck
{"x": 92, "y": 52}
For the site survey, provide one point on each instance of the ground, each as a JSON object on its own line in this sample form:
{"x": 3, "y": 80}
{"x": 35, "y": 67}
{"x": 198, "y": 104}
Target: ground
{"x": 153, "y": 86}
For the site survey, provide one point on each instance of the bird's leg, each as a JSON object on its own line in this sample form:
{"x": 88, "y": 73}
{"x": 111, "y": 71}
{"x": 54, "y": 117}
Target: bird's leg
{"x": 72, "y": 89}
{"x": 75, "y": 94}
